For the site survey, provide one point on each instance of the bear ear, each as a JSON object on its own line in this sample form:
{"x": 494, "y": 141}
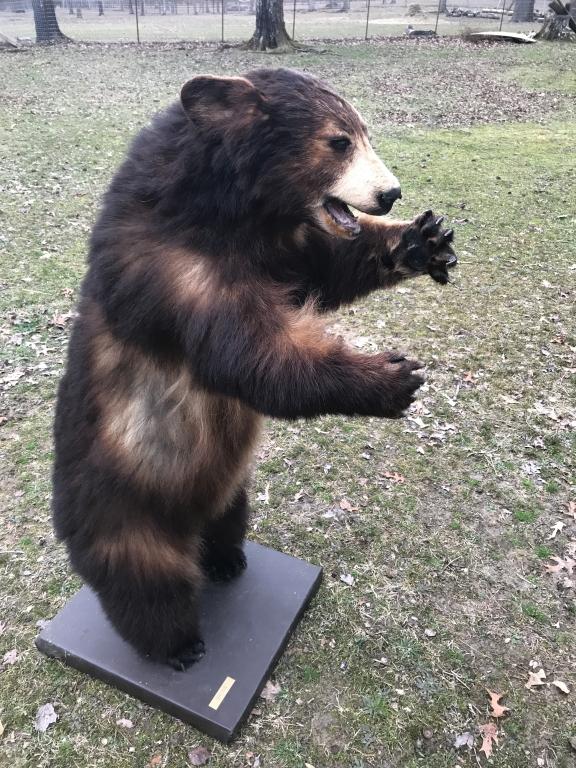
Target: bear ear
{"x": 218, "y": 102}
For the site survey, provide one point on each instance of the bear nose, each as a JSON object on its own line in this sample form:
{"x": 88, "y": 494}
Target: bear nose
{"x": 387, "y": 199}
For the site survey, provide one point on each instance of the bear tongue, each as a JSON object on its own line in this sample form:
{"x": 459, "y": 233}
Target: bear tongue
{"x": 342, "y": 215}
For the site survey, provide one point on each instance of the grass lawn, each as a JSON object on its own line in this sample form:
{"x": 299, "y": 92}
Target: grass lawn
{"x": 445, "y": 520}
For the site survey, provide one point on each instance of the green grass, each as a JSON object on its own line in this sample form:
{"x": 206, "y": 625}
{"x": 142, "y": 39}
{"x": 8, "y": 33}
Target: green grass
{"x": 485, "y": 135}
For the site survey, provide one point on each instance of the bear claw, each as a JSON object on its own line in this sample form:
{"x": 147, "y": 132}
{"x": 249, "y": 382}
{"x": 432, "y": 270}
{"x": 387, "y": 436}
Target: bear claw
{"x": 187, "y": 656}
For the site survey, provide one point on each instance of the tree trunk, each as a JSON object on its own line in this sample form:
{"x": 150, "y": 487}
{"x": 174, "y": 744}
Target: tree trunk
{"x": 46, "y": 23}
{"x": 523, "y": 10}
{"x": 100, "y": 8}
{"x": 560, "y": 26}
{"x": 442, "y": 6}
{"x": 270, "y": 32}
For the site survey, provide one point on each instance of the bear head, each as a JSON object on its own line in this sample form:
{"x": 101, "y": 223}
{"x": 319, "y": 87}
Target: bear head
{"x": 287, "y": 146}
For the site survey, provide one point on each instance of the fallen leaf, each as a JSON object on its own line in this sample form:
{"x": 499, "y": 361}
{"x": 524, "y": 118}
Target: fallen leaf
{"x": 489, "y": 733}
{"x": 199, "y": 756}
{"x": 3, "y": 626}
{"x": 468, "y": 378}
{"x": 571, "y": 509}
{"x": 10, "y": 657}
{"x": 346, "y": 506}
{"x": 396, "y": 477}
{"x": 498, "y": 710}
{"x": 270, "y": 691}
{"x": 154, "y": 761}
{"x": 561, "y": 686}
{"x": 556, "y": 530}
{"x": 1, "y": 728}
{"x": 555, "y": 568}
{"x": 464, "y": 740}
{"x": 572, "y": 741}
{"x": 561, "y": 564}
{"x": 45, "y": 716}
{"x": 264, "y": 497}
{"x": 347, "y": 578}
{"x": 61, "y": 320}
{"x": 535, "y": 679}
{"x": 123, "y": 722}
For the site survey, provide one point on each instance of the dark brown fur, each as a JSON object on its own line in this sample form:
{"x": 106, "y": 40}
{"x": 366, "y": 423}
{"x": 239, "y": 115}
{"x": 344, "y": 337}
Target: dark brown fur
{"x": 200, "y": 313}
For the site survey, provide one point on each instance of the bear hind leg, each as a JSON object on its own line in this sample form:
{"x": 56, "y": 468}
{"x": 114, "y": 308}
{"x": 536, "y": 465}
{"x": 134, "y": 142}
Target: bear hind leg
{"x": 159, "y": 619}
{"x": 223, "y": 557}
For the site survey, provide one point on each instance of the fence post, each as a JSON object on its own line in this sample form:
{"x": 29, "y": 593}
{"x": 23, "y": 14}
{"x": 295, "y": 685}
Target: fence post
{"x": 137, "y": 25}
{"x": 222, "y": 1}
{"x": 293, "y": 19}
{"x": 502, "y": 15}
{"x": 367, "y": 19}
{"x": 437, "y": 17}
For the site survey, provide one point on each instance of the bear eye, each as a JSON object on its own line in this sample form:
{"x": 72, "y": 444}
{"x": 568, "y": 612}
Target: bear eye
{"x": 340, "y": 144}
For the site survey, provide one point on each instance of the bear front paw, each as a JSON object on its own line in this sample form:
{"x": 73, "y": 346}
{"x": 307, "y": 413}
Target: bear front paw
{"x": 426, "y": 248}
{"x": 401, "y": 383}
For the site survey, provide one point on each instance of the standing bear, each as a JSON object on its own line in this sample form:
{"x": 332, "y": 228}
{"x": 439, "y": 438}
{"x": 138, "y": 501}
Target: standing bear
{"x": 223, "y": 238}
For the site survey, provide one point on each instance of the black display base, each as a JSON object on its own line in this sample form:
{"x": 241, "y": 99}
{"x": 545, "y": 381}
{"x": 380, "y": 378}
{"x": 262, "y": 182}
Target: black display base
{"x": 246, "y": 624}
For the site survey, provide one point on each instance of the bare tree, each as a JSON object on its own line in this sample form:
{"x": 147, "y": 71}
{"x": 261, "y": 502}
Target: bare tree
{"x": 46, "y": 23}
{"x": 270, "y": 32}
{"x": 523, "y": 10}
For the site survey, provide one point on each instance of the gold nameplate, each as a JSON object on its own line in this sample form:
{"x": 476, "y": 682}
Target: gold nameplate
{"x": 221, "y": 693}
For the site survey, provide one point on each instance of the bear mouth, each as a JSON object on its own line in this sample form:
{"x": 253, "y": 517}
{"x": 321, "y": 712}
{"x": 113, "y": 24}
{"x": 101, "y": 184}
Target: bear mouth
{"x": 342, "y": 216}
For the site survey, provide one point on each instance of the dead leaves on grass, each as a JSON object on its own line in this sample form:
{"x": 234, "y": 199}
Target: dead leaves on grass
{"x": 561, "y": 686}
{"x": 9, "y": 659}
{"x": 199, "y": 756}
{"x": 571, "y": 509}
{"x": 538, "y": 679}
{"x": 535, "y": 679}
{"x": 489, "y": 733}
{"x": 45, "y": 716}
{"x": 557, "y": 528}
{"x": 498, "y": 710}
{"x": 464, "y": 740}
{"x": 560, "y": 564}
{"x": 270, "y": 691}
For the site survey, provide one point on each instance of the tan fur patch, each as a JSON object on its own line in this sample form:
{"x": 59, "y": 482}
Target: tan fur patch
{"x": 164, "y": 431}
{"x": 305, "y": 332}
{"x": 190, "y": 279}
{"x": 145, "y": 551}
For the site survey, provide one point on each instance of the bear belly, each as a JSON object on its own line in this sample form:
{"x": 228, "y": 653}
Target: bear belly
{"x": 167, "y": 434}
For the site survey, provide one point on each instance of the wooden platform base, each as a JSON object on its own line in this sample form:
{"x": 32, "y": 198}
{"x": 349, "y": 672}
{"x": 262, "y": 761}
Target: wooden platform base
{"x": 245, "y": 623}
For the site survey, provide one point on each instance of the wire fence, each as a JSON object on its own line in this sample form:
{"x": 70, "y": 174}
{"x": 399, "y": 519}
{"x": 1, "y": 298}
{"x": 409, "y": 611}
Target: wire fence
{"x": 233, "y": 20}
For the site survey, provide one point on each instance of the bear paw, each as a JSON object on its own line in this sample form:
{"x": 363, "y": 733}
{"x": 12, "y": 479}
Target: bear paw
{"x": 187, "y": 656}
{"x": 426, "y": 248}
{"x": 400, "y": 382}
{"x": 225, "y": 566}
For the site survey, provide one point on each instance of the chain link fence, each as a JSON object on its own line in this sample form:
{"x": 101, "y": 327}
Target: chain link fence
{"x": 233, "y": 20}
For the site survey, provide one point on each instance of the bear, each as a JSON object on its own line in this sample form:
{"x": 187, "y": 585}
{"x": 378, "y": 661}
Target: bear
{"x": 224, "y": 238}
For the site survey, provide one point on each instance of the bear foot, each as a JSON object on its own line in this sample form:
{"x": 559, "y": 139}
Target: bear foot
{"x": 225, "y": 566}
{"x": 187, "y": 656}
